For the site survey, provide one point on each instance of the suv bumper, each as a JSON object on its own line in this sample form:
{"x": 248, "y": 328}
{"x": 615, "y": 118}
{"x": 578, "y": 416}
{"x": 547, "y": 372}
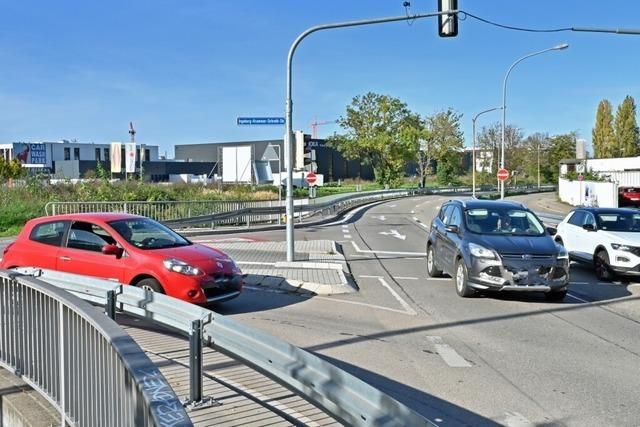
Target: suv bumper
{"x": 529, "y": 275}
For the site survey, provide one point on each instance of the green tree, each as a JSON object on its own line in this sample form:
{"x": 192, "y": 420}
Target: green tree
{"x": 627, "y": 138}
{"x": 561, "y": 147}
{"x": 444, "y": 136}
{"x": 537, "y": 147}
{"x": 603, "y": 136}
{"x": 379, "y": 130}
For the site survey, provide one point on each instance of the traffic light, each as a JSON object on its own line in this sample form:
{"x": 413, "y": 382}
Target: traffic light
{"x": 448, "y": 24}
{"x": 305, "y": 155}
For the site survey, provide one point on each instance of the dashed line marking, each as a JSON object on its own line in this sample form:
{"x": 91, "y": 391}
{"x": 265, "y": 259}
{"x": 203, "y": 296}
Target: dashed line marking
{"x": 347, "y": 236}
{"x": 355, "y": 246}
{"x": 406, "y": 278}
{"x": 402, "y": 302}
{"x": 448, "y": 354}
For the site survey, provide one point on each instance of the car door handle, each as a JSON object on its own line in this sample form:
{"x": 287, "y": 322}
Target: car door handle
{"x": 65, "y": 258}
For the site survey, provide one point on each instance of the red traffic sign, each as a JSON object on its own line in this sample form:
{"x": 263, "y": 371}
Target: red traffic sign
{"x": 503, "y": 174}
{"x": 580, "y": 177}
{"x": 311, "y": 178}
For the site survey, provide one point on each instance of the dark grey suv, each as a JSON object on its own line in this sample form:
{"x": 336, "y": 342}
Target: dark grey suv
{"x": 496, "y": 245}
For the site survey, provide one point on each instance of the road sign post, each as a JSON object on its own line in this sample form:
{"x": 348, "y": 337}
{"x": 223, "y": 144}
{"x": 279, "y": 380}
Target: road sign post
{"x": 311, "y": 178}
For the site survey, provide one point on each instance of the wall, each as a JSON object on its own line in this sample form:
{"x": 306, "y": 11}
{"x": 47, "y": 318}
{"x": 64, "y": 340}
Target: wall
{"x": 588, "y": 193}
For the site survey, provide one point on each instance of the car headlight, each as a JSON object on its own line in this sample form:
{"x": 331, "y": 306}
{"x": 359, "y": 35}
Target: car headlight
{"x": 481, "y": 252}
{"x": 622, "y": 247}
{"x": 234, "y": 267}
{"x": 562, "y": 252}
{"x": 181, "y": 267}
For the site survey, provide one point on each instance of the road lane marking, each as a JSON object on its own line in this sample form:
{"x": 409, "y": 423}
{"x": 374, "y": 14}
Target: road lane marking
{"x": 402, "y": 302}
{"x": 370, "y": 277}
{"x": 393, "y": 233}
{"x": 515, "y": 419}
{"x": 579, "y": 299}
{"x": 448, "y": 354}
{"x": 438, "y": 278}
{"x": 362, "y": 251}
{"x": 347, "y": 236}
{"x": 405, "y": 278}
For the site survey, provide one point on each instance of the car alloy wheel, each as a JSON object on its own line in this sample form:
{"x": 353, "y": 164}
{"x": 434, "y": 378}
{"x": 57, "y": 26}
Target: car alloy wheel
{"x": 462, "y": 287}
{"x": 601, "y": 262}
{"x": 432, "y": 270}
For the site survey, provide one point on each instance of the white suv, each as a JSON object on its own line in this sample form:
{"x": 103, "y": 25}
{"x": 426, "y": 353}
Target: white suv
{"x": 607, "y": 238}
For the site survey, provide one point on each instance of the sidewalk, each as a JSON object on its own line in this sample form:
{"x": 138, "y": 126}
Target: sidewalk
{"x": 320, "y": 268}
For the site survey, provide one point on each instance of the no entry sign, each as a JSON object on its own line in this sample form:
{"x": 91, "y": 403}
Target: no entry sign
{"x": 503, "y": 174}
{"x": 311, "y": 178}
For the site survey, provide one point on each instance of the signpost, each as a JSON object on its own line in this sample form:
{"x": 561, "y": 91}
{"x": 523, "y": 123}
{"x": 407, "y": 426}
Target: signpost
{"x": 241, "y": 121}
{"x": 503, "y": 174}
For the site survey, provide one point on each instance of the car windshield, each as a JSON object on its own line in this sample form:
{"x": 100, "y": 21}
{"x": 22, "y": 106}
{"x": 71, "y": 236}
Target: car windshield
{"x": 500, "y": 220}
{"x": 145, "y": 233}
{"x": 619, "y": 221}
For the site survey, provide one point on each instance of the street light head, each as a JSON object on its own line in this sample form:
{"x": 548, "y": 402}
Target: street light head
{"x": 561, "y": 46}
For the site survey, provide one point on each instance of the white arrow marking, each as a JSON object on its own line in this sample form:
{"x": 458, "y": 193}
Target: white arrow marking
{"x": 394, "y": 233}
{"x": 381, "y": 217}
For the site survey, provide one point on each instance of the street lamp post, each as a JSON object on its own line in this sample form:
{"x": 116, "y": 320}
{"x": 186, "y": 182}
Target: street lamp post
{"x": 473, "y": 168}
{"x": 274, "y": 146}
{"x": 504, "y": 99}
{"x": 288, "y": 149}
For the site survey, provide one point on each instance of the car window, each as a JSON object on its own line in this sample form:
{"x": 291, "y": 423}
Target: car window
{"x": 88, "y": 237}
{"x": 589, "y": 219}
{"x": 445, "y": 213}
{"x": 456, "y": 217}
{"x": 625, "y": 222}
{"x": 49, "y": 233}
{"x": 144, "y": 233}
{"x": 501, "y": 220}
{"x": 577, "y": 218}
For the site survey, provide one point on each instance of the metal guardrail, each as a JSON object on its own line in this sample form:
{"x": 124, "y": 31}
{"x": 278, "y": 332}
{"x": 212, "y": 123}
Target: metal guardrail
{"x": 86, "y": 366}
{"x": 214, "y": 213}
{"x": 347, "y": 398}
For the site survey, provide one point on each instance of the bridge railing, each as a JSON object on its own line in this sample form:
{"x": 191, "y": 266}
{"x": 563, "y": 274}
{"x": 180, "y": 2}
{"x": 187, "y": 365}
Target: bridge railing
{"x": 82, "y": 362}
{"x": 347, "y": 398}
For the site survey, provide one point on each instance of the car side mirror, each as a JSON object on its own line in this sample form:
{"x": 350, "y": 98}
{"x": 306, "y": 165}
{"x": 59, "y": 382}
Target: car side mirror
{"x": 112, "y": 250}
{"x": 552, "y": 231}
{"x": 588, "y": 227}
{"x": 453, "y": 228}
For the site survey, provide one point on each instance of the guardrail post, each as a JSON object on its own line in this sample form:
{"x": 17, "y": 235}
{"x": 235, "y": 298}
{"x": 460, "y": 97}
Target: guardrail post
{"x": 110, "y": 306}
{"x": 196, "y": 400}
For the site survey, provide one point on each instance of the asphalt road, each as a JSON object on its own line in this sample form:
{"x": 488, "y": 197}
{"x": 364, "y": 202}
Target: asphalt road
{"x": 508, "y": 359}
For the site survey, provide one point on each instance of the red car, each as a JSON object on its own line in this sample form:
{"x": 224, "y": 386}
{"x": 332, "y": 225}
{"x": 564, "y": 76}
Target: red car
{"x": 629, "y": 196}
{"x": 129, "y": 249}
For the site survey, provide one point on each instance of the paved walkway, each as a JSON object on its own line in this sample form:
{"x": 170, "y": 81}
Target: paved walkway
{"x": 245, "y": 396}
{"x": 320, "y": 268}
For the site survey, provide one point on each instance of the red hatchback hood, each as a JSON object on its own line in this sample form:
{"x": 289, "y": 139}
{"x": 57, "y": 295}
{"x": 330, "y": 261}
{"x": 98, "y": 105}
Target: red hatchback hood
{"x": 192, "y": 253}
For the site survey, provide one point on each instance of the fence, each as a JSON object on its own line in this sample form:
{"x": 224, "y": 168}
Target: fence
{"x": 588, "y": 193}
{"x": 214, "y": 213}
{"x": 88, "y": 368}
{"x": 345, "y": 397}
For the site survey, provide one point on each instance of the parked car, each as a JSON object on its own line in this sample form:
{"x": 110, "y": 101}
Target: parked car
{"x": 629, "y": 196}
{"x": 607, "y": 238}
{"x": 130, "y": 249}
{"x": 496, "y": 245}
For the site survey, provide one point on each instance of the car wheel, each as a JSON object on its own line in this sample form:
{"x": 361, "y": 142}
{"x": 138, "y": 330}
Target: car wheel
{"x": 150, "y": 285}
{"x": 601, "y": 262}
{"x": 559, "y": 241}
{"x": 462, "y": 280}
{"x": 432, "y": 270}
{"x": 556, "y": 295}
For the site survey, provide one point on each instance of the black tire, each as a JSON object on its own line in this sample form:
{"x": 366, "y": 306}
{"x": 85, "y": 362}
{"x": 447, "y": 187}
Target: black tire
{"x": 150, "y": 284}
{"x": 559, "y": 241}
{"x": 601, "y": 264}
{"x": 556, "y": 296}
{"x": 432, "y": 269}
{"x": 461, "y": 279}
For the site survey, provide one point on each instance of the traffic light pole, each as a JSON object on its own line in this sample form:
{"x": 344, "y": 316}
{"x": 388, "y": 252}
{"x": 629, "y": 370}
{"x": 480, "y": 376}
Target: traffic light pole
{"x": 288, "y": 138}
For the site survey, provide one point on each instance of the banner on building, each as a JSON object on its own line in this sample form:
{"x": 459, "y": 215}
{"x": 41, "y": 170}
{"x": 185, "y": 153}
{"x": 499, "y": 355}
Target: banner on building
{"x": 130, "y": 154}
{"x": 116, "y": 160}
{"x": 30, "y": 154}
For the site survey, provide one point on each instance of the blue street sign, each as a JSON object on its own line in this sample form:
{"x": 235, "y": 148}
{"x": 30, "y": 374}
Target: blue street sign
{"x": 260, "y": 121}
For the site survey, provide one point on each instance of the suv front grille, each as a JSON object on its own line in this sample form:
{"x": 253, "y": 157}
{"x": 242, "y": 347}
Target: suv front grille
{"x": 526, "y": 256}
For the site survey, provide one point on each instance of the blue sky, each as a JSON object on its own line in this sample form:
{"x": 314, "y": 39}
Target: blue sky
{"x": 182, "y": 71}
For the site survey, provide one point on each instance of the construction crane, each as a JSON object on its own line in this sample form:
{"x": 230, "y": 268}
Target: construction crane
{"x": 314, "y": 126}
{"x": 132, "y": 132}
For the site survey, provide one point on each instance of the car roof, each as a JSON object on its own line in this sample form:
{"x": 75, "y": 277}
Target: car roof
{"x": 608, "y": 210}
{"x": 87, "y": 216}
{"x": 479, "y": 203}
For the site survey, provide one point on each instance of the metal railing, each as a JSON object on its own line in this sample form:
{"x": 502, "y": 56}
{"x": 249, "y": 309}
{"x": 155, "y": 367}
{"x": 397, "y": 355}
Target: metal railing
{"x": 215, "y": 213}
{"x": 347, "y": 398}
{"x": 82, "y": 362}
